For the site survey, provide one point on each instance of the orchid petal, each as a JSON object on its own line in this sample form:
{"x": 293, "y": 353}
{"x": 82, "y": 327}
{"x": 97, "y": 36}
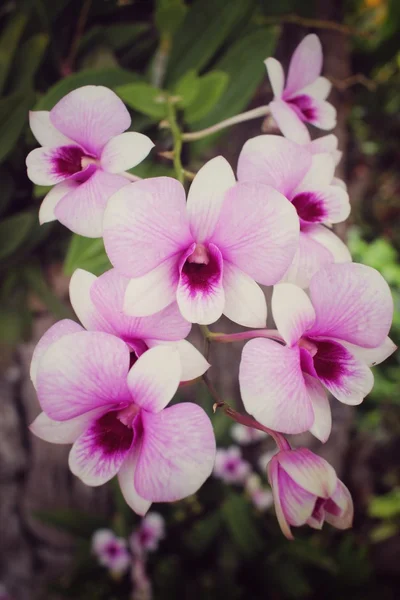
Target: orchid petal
{"x": 292, "y": 311}
{"x": 325, "y": 115}
{"x": 126, "y": 480}
{"x": 273, "y": 477}
{"x": 322, "y": 425}
{"x": 326, "y": 143}
{"x": 44, "y": 130}
{"x": 125, "y": 151}
{"x": 305, "y": 65}
{"x": 289, "y": 122}
{"x": 342, "y": 499}
{"x": 318, "y": 89}
{"x": 63, "y": 432}
{"x": 276, "y": 76}
{"x": 372, "y": 356}
{"x": 245, "y": 302}
{"x": 52, "y": 198}
{"x": 320, "y": 173}
{"x": 297, "y": 504}
{"x": 79, "y": 295}
{"x": 193, "y": 363}
{"x": 309, "y": 471}
{"x": 327, "y": 205}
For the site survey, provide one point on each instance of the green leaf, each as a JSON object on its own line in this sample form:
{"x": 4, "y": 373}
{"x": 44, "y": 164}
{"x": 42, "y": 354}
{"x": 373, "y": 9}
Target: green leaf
{"x": 28, "y": 60}
{"x": 169, "y": 16}
{"x": 7, "y": 188}
{"x": 203, "y": 533}
{"x": 385, "y": 507}
{"x": 12, "y": 326}
{"x": 187, "y": 88}
{"x": 74, "y": 522}
{"x": 14, "y": 111}
{"x": 144, "y": 98}
{"x": 206, "y": 27}
{"x": 384, "y": 531}
{"x": 210, "y": 89}
{"x": 111, "y": 78}
{"x": 14, "y": 231}
{"x": 9, "y": 41}
{"x": 237, "y": 514}
{"x": 33, "y": 275}
{"x": 86, "y": 253}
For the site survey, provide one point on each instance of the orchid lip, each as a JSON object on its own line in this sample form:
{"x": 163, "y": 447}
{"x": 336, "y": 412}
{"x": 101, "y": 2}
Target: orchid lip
{"x": 128, "y": 415}
{"x": 308, "y": 345}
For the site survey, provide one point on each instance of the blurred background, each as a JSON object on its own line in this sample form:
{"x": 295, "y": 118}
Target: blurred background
{"x": 224, "y": 541}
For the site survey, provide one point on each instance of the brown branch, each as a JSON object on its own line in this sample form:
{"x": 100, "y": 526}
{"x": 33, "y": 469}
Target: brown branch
{"x": 359, "y": 78}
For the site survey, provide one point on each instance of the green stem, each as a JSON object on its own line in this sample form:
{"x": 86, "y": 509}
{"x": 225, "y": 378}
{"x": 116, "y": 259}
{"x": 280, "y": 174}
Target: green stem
{"x": 177, "y": 135}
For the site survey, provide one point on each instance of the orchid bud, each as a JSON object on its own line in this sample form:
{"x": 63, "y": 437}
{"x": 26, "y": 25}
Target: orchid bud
{"x": 307, "y": 490}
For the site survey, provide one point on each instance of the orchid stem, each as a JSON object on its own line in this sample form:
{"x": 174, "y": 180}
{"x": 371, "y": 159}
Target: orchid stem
{"x": 260, "y": 111}
{"x": 227, "y": 338}
{"x": 177, "y": 135}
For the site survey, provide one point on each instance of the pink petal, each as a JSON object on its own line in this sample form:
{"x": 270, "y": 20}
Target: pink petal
{"x": 272, "y": 386}
{"x": 200, "y": 294}
{"x": 305, "y": 65}
{"x": 347, "y": 378}
{"x": 62, "y": 432}
{"x": 322, "y": 425}
{"x": 50, "y": 201}
{"x": 145, "y": 224}
{"x": 44, "y": 131}
{"x": 206, "y": 195}
{"x": 193, "y": 363}
{"x": 319, "y": 174}
{"x": 245, "y": 302}
{"x": 79, "y": 295}
{"x": 154, "y": 378}
{"x": 177, "y": 454}
{"x": 318, "y": 89}
{"x": 154, "y": 291}
{"x": 98, "y": 454}
{"x": 309, "y": 471}
{"x": 82, "y": 371}
{"x": 372, "y": 356}
{"x": 82, "y": 209}
{"x": 352, "y": 302}
{"x": 126, "y": 480}
{"x": 297, "y": 504}
{"x": 289, "y": 122}
{"x": 125, "y": 151}
{"x": 107, "y": 294}
{"x": 341, "y": 498}
{"x": 273, "y": 477}
{"x": 313, "y": 253}
{"x": 326, "y": 143}
{"x": 57, "y": 331}
{"x": 257, "y": 231}
{"x": 324, "y": 205}
{"x": 91, "y": 115}
{"x": 276, "y": 76}
{"x": 42, "y": 164}
{"x": 325, "y": 115}
{"x": 275, "y": 161}
{"x": 292, "y": 311}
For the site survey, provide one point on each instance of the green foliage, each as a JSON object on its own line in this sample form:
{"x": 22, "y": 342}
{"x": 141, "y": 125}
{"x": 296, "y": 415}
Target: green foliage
{"x": 86, "y": 253}
{"x": 187, "y": 89}
{"x": 72, "y": 521}
{"x": 387, "y": 506}
{"x": 237, "y": 515}
{"x": 14, "y": 231}
{"x": 144, "y": 98}
{"x": 209, "y": 91}
{"x": 169, "y": 16}
{"x": 9, "y": 42}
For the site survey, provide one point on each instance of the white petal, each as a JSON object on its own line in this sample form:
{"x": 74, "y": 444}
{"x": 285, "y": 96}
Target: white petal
{"x": 372, "y": 356}
{"x": 52, "y": 198}
{"x": 126, "y": 480}
{"x": 125, "y": 151}
{"x": 319, "y": 89}
{"x": 320, "y": 174}
{"x": 322, "y": 425}
{"x": 276, "y": 76}
{"x": 245, "y": 302}
{"x": 44, "y": 130}
{"x": 293, "y": 312}
{"x": 79, "y": 295}
{"x": 193, "y": 362}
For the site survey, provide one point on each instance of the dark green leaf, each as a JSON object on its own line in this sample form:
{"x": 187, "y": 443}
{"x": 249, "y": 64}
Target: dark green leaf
{"x": 111, "y": 78}
{"x": 144, "y": 98}
{"x": 7, "y": 188}
{"x": 169, "y": 16}
{"x": 203, "y": 533}
{"x": 28, "y": 60}
{"x": 187, "y": 88}
{"x": 12, "y": 326}
{"x": 207, "y": 25}
{"x": 33, "y": 276}
{"x": 210, "y": 89}
{"x": 86, "y": 253}
{"x": 14, "y": 111}
{"x": 237, "y": 514}
{"x": 9, "y": 41}
{"x": 14, "y": 231}
{"x": 74, "y": 522}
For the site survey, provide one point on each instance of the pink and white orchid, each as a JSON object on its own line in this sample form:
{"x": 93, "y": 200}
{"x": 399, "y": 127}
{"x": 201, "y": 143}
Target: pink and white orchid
{"x": 149, "y": 534}
{"x": 116, "y": 419}
{"x": 206, "y": 255}
{"x": 332, "y": 338}
{"x": 111, "y": 551}
{"x": 307, "y": 490}
{"x": 98, "y": 302}
{"x": 83, "y": 150}
{"x": 303, "y": 98}
{"x": 260, "y": 496}
{"x": 307, "y": 180}
{"x": 246, "y": 435}
{"x": 230, "y": 467}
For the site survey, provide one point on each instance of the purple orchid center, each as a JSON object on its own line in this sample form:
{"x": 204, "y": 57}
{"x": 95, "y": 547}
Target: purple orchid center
{"x": 303, "y": 106}
{"x": 114, "y": 431}
{"x": 231, "y": 466}
{"x": 323, "y": 358}
{"x": 309, "y": 207}
{"x": 201, "y": 269}
{"x": 67, "y": 160}
{"x": 112, "y": 550}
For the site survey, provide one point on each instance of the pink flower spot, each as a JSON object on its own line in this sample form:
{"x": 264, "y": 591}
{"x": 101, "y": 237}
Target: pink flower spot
{"x": 112, "y": 434}
{"x": 309, "y": 207}
{"x": 304, "y": 107}
{"x": 201, "y": 269}
{"x": 67, "y": 160}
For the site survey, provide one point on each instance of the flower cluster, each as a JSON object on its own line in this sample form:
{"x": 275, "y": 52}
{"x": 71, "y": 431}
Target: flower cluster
{"x": 181, "y": 259}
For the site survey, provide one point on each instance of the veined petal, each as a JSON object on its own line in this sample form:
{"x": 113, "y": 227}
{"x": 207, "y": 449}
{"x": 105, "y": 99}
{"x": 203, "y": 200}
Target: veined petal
{"x": 44, "y": 130}
{"x": 154, "y": 378}
{"x": 177, "y": 454}
{"x": 52, "y": 198}
{"x": 309, "y": 471}
{"x": 193, "y": 363}
{"x": 245, "y": 302}
{"x": 56, "y": 331}
{"x": 145, "y": 224}
{"x": 339, "y": 509}
{"x": 276, "y": 76}
{"x": 98, "y": 454}
{"x": 319, "y": 175}
{"x": 63, "y": 432}
{"x": 323, "y": 205}
{"x": 289, "y": 122}
{"x": 125, "y": 151}
{"x": 326, "y": 143}
{"x": 82, "y": 371}
{"x": 273, "y": 478}
{"x": 126, "y": 480}
{"x": 79, "y": 295}
{"x": 257, "y": 231}
{"x": 91, "y": 115}
{"x": 296, "y": 502}
{"x": 82, "y": 209}
{"x": 272, "y": 386}
{"x": 352, "y": 302}
{"x": 331, "y": 242}
{"x": 200, "y": 293}
{"x": 275, "y": 161}
{"x": 48, "y": 166}
{"x": 154, "y": 291}
{"x": 292, "y": 311}
{"x": 322, "y": 425}
{"x": 206, "y": 196}
{"x": 325, "y": 115}
{"x": 305, "y": 65}
{"x": 371, "y": 356}
{"x": 318, "y": 89}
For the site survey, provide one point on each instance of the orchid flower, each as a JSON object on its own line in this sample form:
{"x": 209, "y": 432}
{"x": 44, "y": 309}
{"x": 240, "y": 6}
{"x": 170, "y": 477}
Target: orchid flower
{"x": 111, "y": 551}
{"x": 115, "y": 416}
{"x": 303, "y": 98}
{"x": 332, "y": 338}
{"x": 98, "y": 302}
{"x": 261, "y": 497}
{"x": 307, "y": 181}
{"x": 246, "y": 435}
{"x": 83, "y": 150}
{"x": 206, "y": 255}
{"x": 230, "y": 467}
{"x": 307, "y": 490}
{"x": 147, "y": 537}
